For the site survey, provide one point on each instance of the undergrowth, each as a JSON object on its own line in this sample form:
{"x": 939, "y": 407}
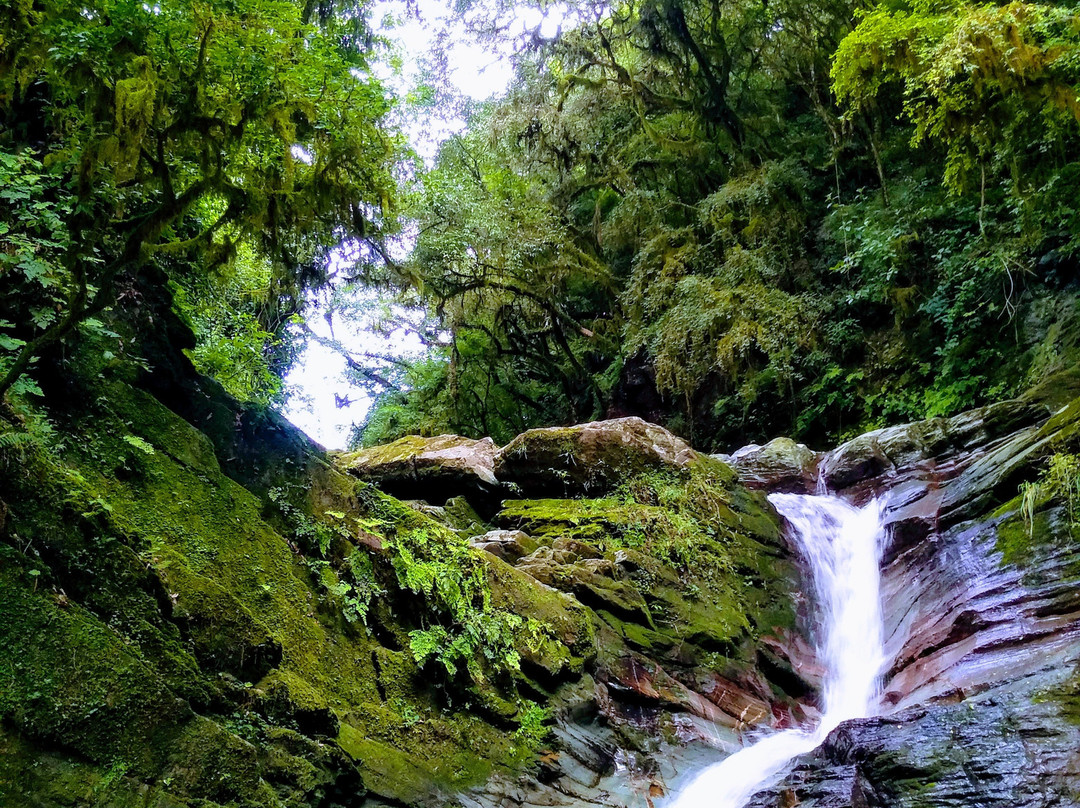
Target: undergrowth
{"x": 1060, "y": 482}
{"x": 460, "y": 629}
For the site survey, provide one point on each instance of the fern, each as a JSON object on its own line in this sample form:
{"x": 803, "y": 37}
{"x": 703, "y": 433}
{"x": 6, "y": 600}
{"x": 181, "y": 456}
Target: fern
{"x": 15, "y": 440}
{"x": 142, "y": 445}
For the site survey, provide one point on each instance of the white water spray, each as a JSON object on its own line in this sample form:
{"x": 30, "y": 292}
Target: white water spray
{"x": 843, "y": 547}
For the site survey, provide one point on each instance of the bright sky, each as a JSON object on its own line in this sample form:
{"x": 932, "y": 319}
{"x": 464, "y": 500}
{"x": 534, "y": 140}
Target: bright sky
{"x": 478, "y": 71}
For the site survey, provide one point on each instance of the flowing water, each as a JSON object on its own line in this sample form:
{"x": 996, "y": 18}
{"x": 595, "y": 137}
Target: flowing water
{"x": 842, "y": 546}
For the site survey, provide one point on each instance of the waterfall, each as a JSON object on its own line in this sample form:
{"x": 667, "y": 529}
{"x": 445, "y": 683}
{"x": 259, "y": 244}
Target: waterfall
{"x": 842, "y": 546}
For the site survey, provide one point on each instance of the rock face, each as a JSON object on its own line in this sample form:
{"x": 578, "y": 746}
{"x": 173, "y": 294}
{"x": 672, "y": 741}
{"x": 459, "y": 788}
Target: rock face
{"x": 589, "y": 458}
{"x": 209, "y": 613}
{"x": 982, "y": 613}
{"x": 878, "y": 458}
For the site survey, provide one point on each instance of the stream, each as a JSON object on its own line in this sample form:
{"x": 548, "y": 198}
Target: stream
{"x": 842, "y": 546}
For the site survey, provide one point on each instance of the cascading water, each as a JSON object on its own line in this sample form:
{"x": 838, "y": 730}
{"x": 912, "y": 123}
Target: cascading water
{"x": 842, "y": 545}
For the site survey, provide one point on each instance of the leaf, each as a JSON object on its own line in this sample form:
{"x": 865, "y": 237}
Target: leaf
{"x": 36, "y": 270}
{"x": 142, "y": 445}
{"x": 43, "y": 317}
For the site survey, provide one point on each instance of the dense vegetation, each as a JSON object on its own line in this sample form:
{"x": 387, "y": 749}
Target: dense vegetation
{"x": 735, "y": 218}
{"x": 224, "y": 148}
{"x": 744, "y": 219}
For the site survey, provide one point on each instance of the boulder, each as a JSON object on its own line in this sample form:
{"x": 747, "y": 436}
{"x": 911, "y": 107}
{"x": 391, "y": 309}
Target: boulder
{"x": 431, "y": 469}
{"x": 590, "y": 457}
{"x": 509, "y": 545}
{"x": 895, "y": 450}
{"x": 780, "y": 465}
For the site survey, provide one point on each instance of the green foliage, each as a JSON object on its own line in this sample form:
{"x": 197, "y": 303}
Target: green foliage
{"x": 15, "y": 440}
{"x": 233, "y": 344}
{"x": 461, "y": 630}
{"x": 178, "y": 137}
{"x": 533, "y": 730}
{"x": 464, "y": 631}
{"x": 450, "y": 576}
{"x": 1059, "y": 482}
{"x": 34, "y": 237}
{"x": 736, "y": 221}
{"x": 497, "y": 264}
{"x": 141, "y": 444}
{"x": 252, "y": 630}
{"x": 987, "y": 82}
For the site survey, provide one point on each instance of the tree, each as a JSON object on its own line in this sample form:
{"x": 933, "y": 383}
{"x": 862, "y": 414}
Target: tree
{"x": 986, "y": 82}
{"x": 752, "y": 254}
{"x": 176, "y": 133}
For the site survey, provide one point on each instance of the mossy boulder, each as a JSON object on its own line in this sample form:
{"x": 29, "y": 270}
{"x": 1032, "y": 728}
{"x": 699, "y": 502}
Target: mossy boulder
{"x": 509, "y": 545}
{"x": 590, "y": 458}
{"x": 431, "y": 469}
{"x": 779, "y": 465}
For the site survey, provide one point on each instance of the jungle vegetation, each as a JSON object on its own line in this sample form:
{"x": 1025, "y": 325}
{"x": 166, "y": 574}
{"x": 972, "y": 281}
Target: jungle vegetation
{"x": 747, "y": 218}
{"x": 735, "y": 217}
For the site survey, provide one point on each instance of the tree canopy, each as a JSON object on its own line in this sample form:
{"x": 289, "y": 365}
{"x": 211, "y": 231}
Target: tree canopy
{"x": 744, "y": 218}
{"x": 738, "y": 218}
{"x": 186, "y": 136}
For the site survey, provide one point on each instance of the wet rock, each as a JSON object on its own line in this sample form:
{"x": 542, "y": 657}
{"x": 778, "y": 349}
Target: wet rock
{"x": 780, "y": 465}
{"x": 893, "y": 451}
{"x": 590, "y": 458}
{"x": 432, "y": 469}
{"x": 1007, "y": 751}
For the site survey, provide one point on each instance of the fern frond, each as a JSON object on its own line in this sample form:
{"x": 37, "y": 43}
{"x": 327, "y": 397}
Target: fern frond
{"x": 15, "y": 440}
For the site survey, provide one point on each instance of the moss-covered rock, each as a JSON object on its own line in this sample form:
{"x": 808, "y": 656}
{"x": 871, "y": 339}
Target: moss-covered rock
{"x": 217, "y": 615}
{"x": 779, "y": 465}
{"x": 591, "y": 458}
{"x": 168, "y": 585}
{"x": 426, "y": 468}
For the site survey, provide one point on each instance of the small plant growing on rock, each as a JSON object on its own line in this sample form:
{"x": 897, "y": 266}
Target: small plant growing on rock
{"x": 1059, "y": 481}
{"x": 533, "y": 730}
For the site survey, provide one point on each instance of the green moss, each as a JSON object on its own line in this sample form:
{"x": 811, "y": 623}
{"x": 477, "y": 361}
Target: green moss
{"x": 230, "y": 611}
{"x": 174, "y": 436}
{"x": 1046, "y": 512}
{"x": 704, "y": 559}
{"x": 566, "y": 636}
{"x": 71, "y": 681}
{"x": 54, "y": 780}
{"x": 639, "y": 637}
{"x": 1068, "y": 697}
{"x": 226, "y": 636}
{"x": 390, "y": 770}
{"x": 401, "y": 450}
{"x": 460, "y": 517}
{"x": 586, "y": 520}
